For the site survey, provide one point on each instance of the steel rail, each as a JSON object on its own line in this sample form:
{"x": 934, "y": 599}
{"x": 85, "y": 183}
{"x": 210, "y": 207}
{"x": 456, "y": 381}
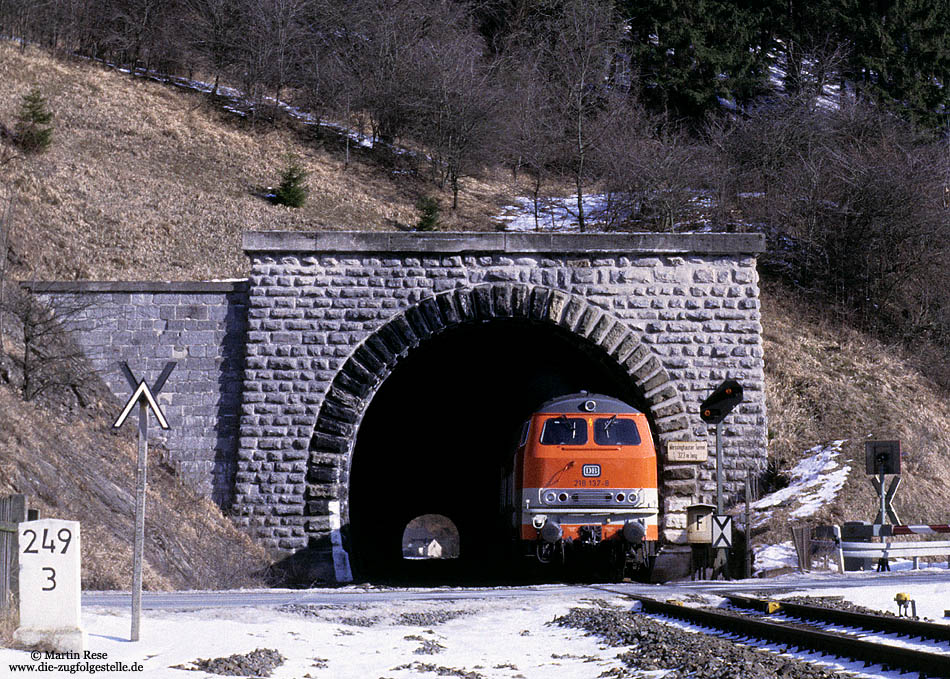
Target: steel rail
{"x": 868, "y": 621}
{"x": 890, "y": 657}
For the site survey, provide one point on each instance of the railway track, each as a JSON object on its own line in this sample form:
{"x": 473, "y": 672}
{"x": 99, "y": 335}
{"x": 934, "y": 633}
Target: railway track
{"x": 802, "y": 632}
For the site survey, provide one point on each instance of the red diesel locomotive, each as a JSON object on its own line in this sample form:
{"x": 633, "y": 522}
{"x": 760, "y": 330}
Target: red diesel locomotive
{"x": 583, "y": 483}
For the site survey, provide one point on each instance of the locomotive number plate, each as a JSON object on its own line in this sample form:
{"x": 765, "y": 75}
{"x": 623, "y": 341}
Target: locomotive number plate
{"x": 590, "y": 470}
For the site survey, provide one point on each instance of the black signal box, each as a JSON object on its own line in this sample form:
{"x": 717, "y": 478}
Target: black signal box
{"x": 721, "y": 402}
{"x": 882, "y": 457}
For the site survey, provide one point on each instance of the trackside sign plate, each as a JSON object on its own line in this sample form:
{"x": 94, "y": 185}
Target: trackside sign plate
{"x": 590, "y": 471}
{"x": 686, "y": 451}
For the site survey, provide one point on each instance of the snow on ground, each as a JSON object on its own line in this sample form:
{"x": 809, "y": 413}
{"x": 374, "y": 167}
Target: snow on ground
{"x": 774, "y": 557}
{"x": 554, "y": 214}
{"x": 491, "y": 638}
{"x": 559, "y": 213}
{"x": 814, "y": 482}
{"x": 502, "y": 638}
{"x": 932, "y": 598}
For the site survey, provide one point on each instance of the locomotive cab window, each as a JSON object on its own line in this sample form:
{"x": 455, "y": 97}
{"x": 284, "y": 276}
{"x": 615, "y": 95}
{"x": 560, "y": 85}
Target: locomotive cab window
{"x": 524, "y": 434}
{"x": 564, "y": 431}
{"x": 613, "y": 431}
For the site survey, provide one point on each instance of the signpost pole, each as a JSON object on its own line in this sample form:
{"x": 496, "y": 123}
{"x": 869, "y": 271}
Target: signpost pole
{"x": 883, "y": 498}
{"x": 748, "y": 524}
{"x": 145, "y": 398}
{"x": 139, "y": 547}
{"x": 719, "y": 563}
{"x": 713, "y": 410}
{"x": 719, "y": 507}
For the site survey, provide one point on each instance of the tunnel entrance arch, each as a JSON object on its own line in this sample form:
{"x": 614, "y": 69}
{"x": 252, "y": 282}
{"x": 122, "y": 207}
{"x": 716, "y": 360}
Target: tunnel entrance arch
{"x": 381, "y": 432}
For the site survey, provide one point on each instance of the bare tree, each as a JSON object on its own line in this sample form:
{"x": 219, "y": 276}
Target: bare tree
{"x": 649, "y": 167}
{"x": 458, "y": 113}
{"x": 213, "y": 30}
{"x": 51, "y": 359}
{"x": 531, "y": 126}
{"x": 859, "y": 194}
{"x": 812, "y": 66}
{"x": 577, "y": 42}
{"x": 131, "y": 28}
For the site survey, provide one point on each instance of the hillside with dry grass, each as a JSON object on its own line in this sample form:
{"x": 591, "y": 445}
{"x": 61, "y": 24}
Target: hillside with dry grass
{"x": 72, "y": 465}
{"x": 151, "y": 181}
{"x": 825, "y": 381}
{"x": 147, "y": 180}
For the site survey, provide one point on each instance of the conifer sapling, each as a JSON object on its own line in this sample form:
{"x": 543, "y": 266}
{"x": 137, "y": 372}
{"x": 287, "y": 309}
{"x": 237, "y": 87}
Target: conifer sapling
{"x": 34, "y": 132}
{"x": 292, "y": 190}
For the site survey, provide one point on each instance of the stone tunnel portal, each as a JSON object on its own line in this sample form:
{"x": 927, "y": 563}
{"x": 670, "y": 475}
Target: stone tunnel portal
{"x": 438, "y": 431}
{"x": 351, "y": 354}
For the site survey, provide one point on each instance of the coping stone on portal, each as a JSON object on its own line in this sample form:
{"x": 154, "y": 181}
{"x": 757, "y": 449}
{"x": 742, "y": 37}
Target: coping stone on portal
{"x": 448, "y": 242}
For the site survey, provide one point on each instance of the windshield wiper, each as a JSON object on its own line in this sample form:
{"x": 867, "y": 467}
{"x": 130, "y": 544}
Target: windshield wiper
{"x": 569, "y": 422}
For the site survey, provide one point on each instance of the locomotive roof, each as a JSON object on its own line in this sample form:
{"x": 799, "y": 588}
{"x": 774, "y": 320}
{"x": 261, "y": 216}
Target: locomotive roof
{"x": 575, "y": 403}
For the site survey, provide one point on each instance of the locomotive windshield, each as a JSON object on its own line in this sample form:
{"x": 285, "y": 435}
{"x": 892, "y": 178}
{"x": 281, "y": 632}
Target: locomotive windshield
{"x": 564, "y": 431}
{"x": 612, "y": 431}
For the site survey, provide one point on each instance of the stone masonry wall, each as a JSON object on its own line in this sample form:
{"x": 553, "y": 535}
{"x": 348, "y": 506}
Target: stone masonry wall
{"x": 274, "y": 374}
{"x": 199, "y": 325}
{"x": 683, "y": 312}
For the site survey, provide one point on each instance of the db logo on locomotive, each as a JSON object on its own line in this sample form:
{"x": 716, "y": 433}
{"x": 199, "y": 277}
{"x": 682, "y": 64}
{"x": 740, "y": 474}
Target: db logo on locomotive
{"x": 590, "y": 470}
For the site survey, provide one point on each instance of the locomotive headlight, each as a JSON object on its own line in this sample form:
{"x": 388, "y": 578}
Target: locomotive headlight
{"x": 550, "y": 497}
{"x": 562, "y": 497}
{"x": 621, "y": 497}
{"x": 633, "y": 498}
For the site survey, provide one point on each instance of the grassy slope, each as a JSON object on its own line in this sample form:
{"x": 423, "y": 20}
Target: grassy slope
{"x": 72, "y": 466}
{"x": 829, "y": 382}
{"x": 148, "y": 181}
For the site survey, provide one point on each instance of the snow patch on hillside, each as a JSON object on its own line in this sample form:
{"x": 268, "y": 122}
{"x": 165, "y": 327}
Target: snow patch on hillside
{"x": 814, "y": 482}
{"x": 559, "y": 213}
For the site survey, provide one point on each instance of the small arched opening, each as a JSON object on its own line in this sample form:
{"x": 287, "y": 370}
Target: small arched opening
{"x": 430, "y": 536}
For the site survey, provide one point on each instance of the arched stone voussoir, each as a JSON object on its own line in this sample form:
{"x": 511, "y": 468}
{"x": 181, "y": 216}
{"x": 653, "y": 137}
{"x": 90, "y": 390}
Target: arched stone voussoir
{"x": 448, "y": 308}
{"x": 371, "y": 363}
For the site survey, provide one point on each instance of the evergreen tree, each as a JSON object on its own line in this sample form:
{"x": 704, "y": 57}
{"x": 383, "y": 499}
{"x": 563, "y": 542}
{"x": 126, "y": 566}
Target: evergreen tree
{"x": 34, "y": 132}
{"x": 292, "y": 190}
{"x": 688, "y": 56}
{"x": 901, "y": 55}
{"x": 429, "y": 217}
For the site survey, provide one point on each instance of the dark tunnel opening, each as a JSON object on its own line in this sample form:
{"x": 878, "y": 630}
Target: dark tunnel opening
{"x": 438, "y": 431}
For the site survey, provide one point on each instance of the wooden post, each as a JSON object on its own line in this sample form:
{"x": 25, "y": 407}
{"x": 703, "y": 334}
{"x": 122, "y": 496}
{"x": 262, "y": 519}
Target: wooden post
{"x": 139, "y": 547}
{"x": 13, "y": 511}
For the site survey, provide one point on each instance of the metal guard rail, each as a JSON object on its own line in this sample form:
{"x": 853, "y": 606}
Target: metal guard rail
{"x": 887, "y": 550}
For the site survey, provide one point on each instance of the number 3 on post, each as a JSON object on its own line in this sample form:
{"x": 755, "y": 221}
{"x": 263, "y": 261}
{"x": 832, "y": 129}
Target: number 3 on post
{"x": 50, "y": 584}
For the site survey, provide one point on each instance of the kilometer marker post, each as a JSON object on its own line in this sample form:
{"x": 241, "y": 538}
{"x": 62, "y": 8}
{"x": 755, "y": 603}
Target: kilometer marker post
{"x": 145, "y": 397}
